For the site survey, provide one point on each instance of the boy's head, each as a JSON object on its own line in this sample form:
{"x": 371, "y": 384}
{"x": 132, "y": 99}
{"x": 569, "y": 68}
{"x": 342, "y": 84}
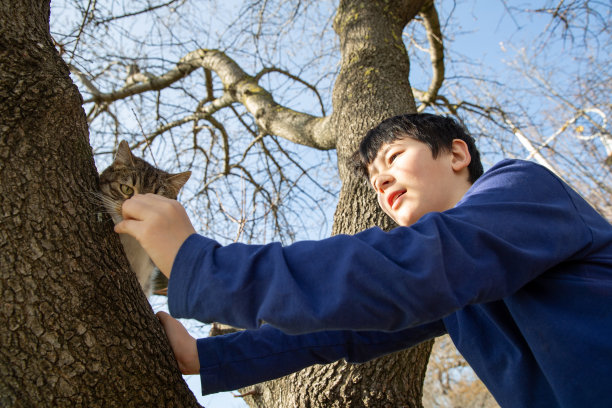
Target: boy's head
{"x": 437, "y": 132}
{"x": 418, "y": 163}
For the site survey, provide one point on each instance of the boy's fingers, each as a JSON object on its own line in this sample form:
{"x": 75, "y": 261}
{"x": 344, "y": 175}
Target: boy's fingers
{"x": 126, "y": 227}
{"x": 168, "y": 322}
{"x": 183, "y": 345}
{"x": 143, "y": 206}
{"x": 163, "y": 316}
{"x": 137, "y": 209}
{"x": 160, "y": 225}
{"x": 137, "y": 206}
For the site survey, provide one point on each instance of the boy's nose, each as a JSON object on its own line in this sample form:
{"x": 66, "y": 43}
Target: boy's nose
{"x": 383, "y": 182}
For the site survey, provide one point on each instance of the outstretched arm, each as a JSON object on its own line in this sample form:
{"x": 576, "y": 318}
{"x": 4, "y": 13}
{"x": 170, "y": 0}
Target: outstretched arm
{"x": 247, "y": 357}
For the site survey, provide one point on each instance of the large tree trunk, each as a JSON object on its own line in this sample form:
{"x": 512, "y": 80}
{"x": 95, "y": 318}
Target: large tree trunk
{"x": 75, "y": 329}
{"x": 368, "y": 89}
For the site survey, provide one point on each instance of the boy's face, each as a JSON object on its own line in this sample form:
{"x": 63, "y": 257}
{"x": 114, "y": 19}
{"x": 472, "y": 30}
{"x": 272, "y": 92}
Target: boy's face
{"x": 410, "y": 183}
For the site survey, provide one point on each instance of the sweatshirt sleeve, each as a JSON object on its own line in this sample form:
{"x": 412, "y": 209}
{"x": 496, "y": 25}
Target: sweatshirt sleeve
{"x": 516, "y": 222}
{"x": 248, "y": 357}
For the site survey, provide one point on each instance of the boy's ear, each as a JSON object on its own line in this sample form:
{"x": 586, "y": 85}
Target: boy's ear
{"x": 460, "y": 155}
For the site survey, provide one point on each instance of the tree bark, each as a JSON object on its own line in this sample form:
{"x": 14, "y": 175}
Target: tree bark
{"x": 75, "y": 328}
{"x": 369, "y": 88}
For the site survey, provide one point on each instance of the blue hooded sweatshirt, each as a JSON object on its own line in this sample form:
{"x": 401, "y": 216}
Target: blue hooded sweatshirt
{"x": 518, "y": 273}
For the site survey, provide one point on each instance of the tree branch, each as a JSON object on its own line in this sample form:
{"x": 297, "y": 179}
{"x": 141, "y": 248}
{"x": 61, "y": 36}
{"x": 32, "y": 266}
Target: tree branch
{"x": 136, "y": 13}
{"x": 295, "y": 78}
{"x": 516, "y": 131}
{"x": 185, "y": 66}
{"x": 85, "y": 81}
{"x": 271, "y": 117}
{"x": 204, "y": 112}
{"x": 431, "y": 22}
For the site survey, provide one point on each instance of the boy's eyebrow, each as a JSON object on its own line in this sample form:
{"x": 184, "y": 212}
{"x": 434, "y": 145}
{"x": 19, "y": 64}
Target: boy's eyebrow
{"x": 385, "y": 150}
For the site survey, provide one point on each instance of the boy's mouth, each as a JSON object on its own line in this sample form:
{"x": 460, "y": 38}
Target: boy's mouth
{"x": 393, "y": 196}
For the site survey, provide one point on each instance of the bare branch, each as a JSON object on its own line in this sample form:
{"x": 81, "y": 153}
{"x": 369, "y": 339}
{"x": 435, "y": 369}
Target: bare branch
{"x": 431, "y": 22}
{"x": 86, "y": 16}
{"x": 204, "y": 112}
{"x": 226, "y": 158}
{"x": 85, "y": 81}
{"x": 518, "y": 133}
{"x": 295, "y": 78}
{"x": 136, "y": 13}
{"x": 533, "y": 152}
{"x": 571, "y": 17}
{"x": 271, "y": 117}
{"x": 209, "y": 85}
{"x": 185, "y": 66}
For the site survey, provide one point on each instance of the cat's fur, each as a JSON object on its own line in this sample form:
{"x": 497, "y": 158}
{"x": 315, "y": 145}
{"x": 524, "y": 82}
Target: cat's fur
{"x": 126, "y": 176}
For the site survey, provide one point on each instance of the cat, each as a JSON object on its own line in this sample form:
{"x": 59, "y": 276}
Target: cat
{"x": 128, "y": 175}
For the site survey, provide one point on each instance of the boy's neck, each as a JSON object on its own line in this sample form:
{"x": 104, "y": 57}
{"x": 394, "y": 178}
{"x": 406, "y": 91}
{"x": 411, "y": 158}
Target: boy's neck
{"x": 462, "y": 189}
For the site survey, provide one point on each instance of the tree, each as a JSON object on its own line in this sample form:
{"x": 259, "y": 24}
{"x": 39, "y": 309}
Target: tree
{"x": 239, "y": 132}
{"x": 76, "y": 329}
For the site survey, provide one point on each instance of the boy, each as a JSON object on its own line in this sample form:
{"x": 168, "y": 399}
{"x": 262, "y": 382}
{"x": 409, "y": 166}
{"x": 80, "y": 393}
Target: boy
{"x": 514, "y": 265}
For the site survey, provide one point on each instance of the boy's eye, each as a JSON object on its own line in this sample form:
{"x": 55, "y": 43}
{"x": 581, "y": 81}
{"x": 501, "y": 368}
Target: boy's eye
{"x": 127, "y": 190}
{"x": 393, "y": 156}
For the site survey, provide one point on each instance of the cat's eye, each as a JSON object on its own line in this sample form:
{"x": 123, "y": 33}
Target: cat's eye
{"x": 127, "y": 190}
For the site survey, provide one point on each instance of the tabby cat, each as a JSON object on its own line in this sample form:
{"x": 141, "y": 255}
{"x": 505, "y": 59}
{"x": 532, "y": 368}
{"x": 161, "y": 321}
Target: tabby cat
{"x": 126, "y": 176}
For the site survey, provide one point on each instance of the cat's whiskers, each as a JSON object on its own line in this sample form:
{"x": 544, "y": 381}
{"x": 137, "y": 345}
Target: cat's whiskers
{"x": 106, "y": 204}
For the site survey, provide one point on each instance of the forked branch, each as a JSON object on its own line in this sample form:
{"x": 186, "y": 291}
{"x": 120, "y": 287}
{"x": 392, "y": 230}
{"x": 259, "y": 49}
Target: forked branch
{"x": 239, "y": 87}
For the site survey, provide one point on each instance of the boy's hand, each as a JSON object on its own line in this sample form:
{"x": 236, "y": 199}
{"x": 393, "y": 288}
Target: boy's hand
{"x": 183, "y": 345}
{"x": 160, "y": 225}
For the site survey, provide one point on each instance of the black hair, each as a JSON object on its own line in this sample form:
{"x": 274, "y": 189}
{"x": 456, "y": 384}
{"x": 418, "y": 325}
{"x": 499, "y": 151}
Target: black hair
{"x": 437, "y": 132}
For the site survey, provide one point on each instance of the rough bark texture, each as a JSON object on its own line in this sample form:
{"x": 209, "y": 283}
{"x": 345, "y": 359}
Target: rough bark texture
{"x": 372, "y": 85}
{"x": 75, "y": 329}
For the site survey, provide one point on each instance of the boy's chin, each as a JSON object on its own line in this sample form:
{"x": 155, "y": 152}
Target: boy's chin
{"x": 405, "y": 220}
{"x": 402, "y": 219}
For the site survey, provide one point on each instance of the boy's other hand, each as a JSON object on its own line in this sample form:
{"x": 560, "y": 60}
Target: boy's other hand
{"x": 183, "y": 345}
{"x": 160, "y": 225}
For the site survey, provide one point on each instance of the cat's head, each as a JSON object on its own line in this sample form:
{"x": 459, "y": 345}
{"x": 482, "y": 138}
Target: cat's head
{"x": 129, "y": 175}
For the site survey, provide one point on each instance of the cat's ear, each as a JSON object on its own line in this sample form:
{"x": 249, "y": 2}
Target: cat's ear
{"x": 124, "y": 154}
{"x": 177, "y": 181}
